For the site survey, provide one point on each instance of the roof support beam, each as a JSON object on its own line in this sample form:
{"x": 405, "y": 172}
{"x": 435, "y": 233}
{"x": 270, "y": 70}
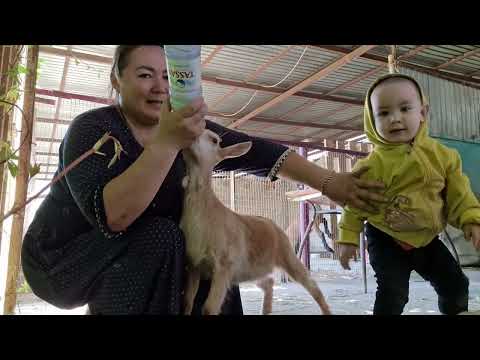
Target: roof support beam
{"x": 461, "y": 79}
{"x": 210, "y": 57}
{"x": 458, "y": 58}
{"x": 306, "y": 82}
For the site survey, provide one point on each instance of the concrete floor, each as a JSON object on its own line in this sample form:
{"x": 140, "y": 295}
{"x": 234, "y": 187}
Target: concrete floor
{"x": 343, "y": 291}
{"x": 346, "y": 296}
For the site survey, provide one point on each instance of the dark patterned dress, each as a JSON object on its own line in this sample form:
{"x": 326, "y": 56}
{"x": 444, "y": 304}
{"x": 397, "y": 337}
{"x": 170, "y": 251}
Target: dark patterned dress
{"x": 70, "y": 257}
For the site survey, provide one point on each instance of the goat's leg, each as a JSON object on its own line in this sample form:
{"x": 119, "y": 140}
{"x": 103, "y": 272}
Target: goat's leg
{"x": 294, "y": 267}
{"x": 216, "y": 296}
{"x": 193, "y": 281}
{"x": 266, "y": 285}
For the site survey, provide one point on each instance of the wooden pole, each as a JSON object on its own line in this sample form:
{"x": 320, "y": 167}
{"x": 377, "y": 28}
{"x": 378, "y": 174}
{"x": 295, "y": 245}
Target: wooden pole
{"x": 21, "y": 182}
{"x": 7, "y": 62}
{"x": 392, "y": 61}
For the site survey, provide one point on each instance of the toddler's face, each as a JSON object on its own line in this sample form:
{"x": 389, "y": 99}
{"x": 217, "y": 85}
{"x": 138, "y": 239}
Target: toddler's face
{"x": 397, "y": 110}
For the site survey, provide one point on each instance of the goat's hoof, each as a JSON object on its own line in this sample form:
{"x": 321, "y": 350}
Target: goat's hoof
{"x": 188, "y": 310}
{"x": 207, "y": 311}
{"x": 327, "y": 312}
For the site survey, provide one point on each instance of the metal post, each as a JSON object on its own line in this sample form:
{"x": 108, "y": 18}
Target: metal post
{"x": 304, "y": 231}
{"x": 232, "y": 190}
{"x": 303, "y": 241}
{"x": 364, "y": 260}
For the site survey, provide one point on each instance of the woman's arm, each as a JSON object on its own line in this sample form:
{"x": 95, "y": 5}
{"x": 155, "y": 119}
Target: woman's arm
{"x": 343, "y": 188}
{"x": 267, "y": 159}
{"x": 112, "y": 198}
{"x": 258, "y": 161}
{"x": 127, "y": 196}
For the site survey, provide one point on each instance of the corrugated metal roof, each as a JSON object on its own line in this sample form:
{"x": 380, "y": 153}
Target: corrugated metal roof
{"x": 87, "y": 77}
{"x": 303, "y": 131}
{"x": 271, "y": 135}
{"x": 436, "y": 55}
{"x": 50, "y": 71}
{"x": 455, "y": 108}
{"x": 345, "y": 74}
{"x": 285, "y": 107}
{"x": 240, "y": 99}
{"x": 238, "y": 62}
{"x": 325, "y": 111}
{"x": 104, "y": 50}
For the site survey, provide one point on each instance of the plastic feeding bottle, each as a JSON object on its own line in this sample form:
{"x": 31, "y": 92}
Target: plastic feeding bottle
{"x": 184, "y": 73}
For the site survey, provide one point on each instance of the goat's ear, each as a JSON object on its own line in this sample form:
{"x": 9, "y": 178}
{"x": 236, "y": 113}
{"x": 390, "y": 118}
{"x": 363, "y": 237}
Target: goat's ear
{"x": 236, "y": 150}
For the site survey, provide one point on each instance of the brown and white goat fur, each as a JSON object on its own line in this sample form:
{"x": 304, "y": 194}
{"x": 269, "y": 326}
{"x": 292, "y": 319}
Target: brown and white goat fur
{"x": 224, "y": 246}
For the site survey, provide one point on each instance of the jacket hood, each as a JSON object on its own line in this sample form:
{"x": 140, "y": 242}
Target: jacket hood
{"x": 369, "y": 122}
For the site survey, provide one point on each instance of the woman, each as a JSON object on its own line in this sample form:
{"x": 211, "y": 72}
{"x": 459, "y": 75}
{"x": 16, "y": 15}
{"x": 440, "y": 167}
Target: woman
{"x": 109, "y": 237}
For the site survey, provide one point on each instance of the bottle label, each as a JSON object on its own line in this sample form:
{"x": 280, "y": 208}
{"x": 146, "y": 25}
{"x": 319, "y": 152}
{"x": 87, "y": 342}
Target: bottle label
{"x": 185, "y": 80}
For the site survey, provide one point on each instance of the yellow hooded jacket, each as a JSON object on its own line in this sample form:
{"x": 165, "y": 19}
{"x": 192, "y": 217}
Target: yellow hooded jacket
{"x": 425, "y": 187}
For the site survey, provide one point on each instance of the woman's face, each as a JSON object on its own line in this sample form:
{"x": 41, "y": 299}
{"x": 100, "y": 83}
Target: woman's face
{"x": 143, "y": 84}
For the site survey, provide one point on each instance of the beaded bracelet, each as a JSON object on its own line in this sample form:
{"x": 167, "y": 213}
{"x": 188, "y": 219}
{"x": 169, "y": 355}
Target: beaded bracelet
{"x": 278, "y": 164}
{"x": 325, "y": 182}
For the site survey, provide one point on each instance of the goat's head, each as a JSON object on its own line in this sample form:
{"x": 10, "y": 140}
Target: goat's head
{"x": 206, "y": 151}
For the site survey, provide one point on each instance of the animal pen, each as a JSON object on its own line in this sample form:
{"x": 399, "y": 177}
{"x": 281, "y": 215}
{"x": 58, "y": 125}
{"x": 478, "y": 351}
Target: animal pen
{"x": 308, "y": 97}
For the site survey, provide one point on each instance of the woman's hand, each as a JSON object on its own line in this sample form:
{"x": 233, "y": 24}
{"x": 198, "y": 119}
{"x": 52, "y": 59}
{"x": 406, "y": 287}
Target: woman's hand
{"x": 343, "y": 188}
{"x": 349, "y": 189}
{"x": 181, "y": 128}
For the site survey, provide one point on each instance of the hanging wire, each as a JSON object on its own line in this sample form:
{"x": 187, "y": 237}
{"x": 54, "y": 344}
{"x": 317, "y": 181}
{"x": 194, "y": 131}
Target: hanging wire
{"x": 265, "y": 86}
{"x": 289, "y": 73}
{"x": 241, "y": 109}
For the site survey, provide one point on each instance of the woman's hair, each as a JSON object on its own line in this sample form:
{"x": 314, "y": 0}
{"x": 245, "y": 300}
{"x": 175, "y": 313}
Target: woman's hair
{"x": 120, "y": 58}
{"x": 120, "y": 61}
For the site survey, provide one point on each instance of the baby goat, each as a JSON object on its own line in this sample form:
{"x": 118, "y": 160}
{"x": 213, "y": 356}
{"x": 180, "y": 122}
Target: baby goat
{"x": 224, "y": 246}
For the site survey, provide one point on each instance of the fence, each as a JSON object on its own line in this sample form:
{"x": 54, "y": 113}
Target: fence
{"x": 248, "y": 194}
